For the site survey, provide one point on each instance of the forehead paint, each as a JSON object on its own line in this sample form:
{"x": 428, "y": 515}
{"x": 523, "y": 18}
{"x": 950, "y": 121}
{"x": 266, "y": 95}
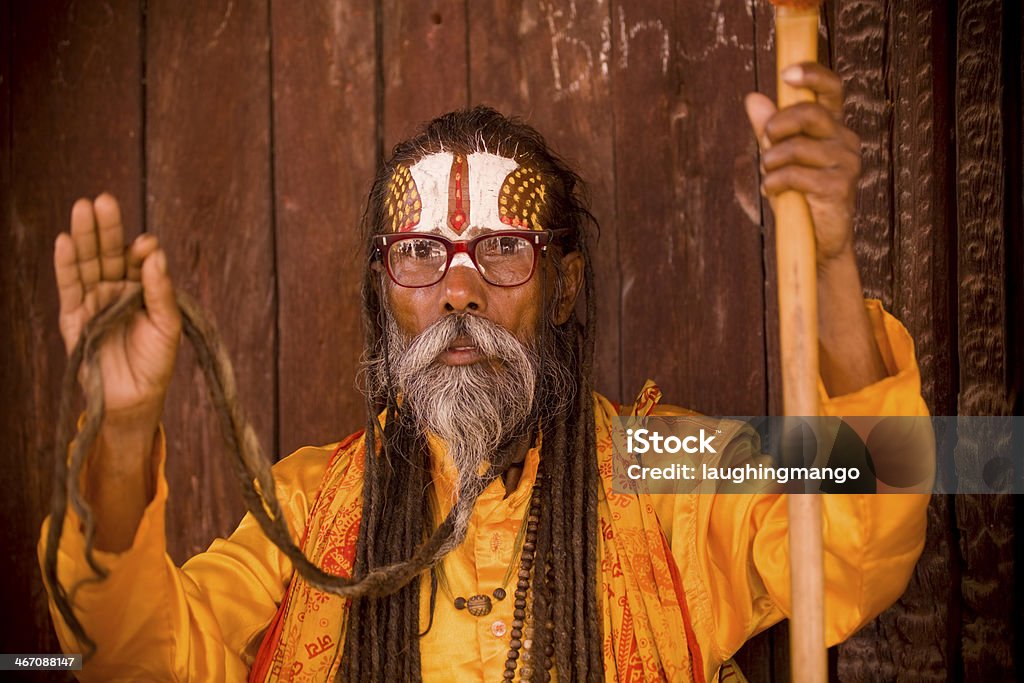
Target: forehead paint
{"x": 449, "y": 193}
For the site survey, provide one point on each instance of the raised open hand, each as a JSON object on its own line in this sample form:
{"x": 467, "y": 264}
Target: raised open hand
{"x": 93, "y": 269}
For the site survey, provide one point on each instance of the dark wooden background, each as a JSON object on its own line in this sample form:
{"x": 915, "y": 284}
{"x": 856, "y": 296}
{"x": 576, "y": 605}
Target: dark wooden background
{"x": 245, "y": 133}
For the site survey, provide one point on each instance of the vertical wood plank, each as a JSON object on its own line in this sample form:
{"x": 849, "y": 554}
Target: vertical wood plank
{"x": 766, "y": 657}
{"x": 424, "y": 52}
{"x": 550, "y": 64}
{"x": 1013, "y": 57}
{"x": 208, "y": 199}
{"x": 69, "y": 126}
{"x": 986, "y": 536}
{"x": 913, "y": 635}
{"x": 686, "y": 187}
{"x": 859, "y": 49}
{"x": 765, "y": 80}
{"x": 324, "y": 81}
{"x": 920, "y": 45}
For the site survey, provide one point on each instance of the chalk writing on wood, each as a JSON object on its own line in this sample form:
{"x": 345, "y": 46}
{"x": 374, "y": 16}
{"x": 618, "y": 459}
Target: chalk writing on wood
{"x": 573, "y": 50}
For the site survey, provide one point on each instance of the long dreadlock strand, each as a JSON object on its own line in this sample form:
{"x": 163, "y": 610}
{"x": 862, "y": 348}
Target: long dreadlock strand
{"x": 591, "y": 480}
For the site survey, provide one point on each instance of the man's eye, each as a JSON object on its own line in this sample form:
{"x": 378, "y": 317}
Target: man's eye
{"x": 504, "y": 246}
{"x": 420, "y": 250}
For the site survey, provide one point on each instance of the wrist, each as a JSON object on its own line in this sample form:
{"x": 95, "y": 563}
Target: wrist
{"x": 124, "y": 445}
{"x": 839, "y": 269}
{"x": 137, "y": 421}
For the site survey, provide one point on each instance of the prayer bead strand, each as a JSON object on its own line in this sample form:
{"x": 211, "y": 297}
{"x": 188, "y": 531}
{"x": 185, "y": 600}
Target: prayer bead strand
{"x": 521, "y": 635}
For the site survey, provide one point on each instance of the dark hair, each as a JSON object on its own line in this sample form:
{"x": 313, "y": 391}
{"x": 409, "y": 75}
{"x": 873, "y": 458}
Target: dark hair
{"x": 382, "y": 636}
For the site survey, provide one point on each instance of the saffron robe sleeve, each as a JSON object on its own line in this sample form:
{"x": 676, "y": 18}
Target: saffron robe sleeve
{"x": 732, "y": 550}
{"x": 153, "y": 621}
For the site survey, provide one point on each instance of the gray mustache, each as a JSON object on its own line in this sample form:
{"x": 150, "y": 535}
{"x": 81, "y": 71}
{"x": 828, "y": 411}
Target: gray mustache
{"x": 492, "y": 339}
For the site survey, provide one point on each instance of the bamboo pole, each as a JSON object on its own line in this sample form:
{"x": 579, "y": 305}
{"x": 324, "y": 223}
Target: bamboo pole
{"x": 796, "y": 30}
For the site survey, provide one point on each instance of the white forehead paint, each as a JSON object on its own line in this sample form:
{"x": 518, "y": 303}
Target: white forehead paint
{"x": 431, "y": 176}
{"x": 487, "y": 173}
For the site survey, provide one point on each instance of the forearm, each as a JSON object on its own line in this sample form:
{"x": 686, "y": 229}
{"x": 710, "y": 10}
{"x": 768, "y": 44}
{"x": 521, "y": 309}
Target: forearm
{"x": 849, "y": 356}
{"x": 152, "y": 621}
{"x": 118, "y": 483}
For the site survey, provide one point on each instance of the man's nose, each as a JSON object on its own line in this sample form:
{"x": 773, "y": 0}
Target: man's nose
{"x": 464, "y": 289}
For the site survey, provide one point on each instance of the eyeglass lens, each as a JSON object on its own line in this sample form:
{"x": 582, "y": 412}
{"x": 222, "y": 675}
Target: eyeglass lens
{"x": 503, "y": 260}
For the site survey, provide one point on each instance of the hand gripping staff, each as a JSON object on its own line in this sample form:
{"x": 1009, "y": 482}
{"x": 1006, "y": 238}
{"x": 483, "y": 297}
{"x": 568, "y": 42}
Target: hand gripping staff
{"x": 796, "y": 39}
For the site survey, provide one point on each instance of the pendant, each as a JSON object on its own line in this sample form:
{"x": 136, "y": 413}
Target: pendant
{"x": 479, "y": 605}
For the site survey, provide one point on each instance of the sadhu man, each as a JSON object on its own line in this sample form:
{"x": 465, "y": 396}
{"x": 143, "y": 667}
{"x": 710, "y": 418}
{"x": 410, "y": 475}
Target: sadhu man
{"x": 475, "y": 509}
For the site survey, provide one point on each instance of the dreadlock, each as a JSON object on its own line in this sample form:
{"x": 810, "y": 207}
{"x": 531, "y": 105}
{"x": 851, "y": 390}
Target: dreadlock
{"x": 382, "y": 633}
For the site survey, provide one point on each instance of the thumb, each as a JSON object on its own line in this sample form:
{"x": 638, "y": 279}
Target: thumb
{"x": 158, "y": 294}
{"x": 759, "y": 109}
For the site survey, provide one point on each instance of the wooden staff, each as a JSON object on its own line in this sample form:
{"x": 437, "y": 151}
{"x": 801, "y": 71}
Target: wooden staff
{"x": 796, "y": 37}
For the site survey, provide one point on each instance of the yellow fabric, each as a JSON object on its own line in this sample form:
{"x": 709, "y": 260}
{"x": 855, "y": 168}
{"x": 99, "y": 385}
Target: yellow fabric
{"x": 204, "y": 621}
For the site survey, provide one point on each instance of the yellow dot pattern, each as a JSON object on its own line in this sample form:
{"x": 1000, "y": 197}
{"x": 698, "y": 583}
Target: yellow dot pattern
{"x": 521, "y": 199}
{"x": 403, "y": 205}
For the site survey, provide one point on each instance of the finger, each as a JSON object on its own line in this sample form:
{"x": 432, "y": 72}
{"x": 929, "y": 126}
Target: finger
{"x": 83, "y": 233}
{"x": 820, "y": 80}
{"x": 65, "y": 267}
{"x": 804, "y": 151}
{"x": 111, "y": 237}
{"x": 759, "y": 110}
{"x": 158, "y": 294}
{"x": 144, "y": 245}
{"x": 69, "y": 287}
{"x": 807, "y": 181}
{"x": 806, "y": 118}
{"x": 850, "y": 139}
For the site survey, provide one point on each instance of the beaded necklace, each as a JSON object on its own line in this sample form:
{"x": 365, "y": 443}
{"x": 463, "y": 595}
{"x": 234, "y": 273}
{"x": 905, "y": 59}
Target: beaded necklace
{"x": 480, "y": 605}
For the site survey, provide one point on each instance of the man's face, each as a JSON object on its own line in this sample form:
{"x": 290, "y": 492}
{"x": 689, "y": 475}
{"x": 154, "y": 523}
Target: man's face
{"x": 461, "y": 197}
{"x": 463, "y": 290}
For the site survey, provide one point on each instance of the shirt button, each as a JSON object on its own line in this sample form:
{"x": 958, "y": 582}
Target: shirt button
{"x": 499, "y": 629}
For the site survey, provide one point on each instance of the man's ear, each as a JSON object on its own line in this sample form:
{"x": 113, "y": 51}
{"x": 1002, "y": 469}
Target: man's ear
{"x": 377, "y": 268}
{"x": 572, "y": 282}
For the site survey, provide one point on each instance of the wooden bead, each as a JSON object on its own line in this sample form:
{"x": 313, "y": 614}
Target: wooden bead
{"x": 460, "y": 603}
{"x": 499, "y": 593}
{"x": 479, "y": 605}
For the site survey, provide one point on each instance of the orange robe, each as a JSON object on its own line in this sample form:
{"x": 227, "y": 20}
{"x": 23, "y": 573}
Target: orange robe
{"x": 684, "y": 581}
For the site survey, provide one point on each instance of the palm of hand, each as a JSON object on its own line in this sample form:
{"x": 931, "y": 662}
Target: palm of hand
{"x": 93, "y": 270}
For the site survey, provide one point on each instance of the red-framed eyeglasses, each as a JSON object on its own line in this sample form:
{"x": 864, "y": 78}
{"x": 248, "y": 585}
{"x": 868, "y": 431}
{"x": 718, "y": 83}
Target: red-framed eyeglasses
{"x": 504, "y": 258}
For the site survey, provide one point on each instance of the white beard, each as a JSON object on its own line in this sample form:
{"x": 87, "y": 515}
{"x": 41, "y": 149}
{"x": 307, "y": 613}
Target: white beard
{"x": 475, "y": 409}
